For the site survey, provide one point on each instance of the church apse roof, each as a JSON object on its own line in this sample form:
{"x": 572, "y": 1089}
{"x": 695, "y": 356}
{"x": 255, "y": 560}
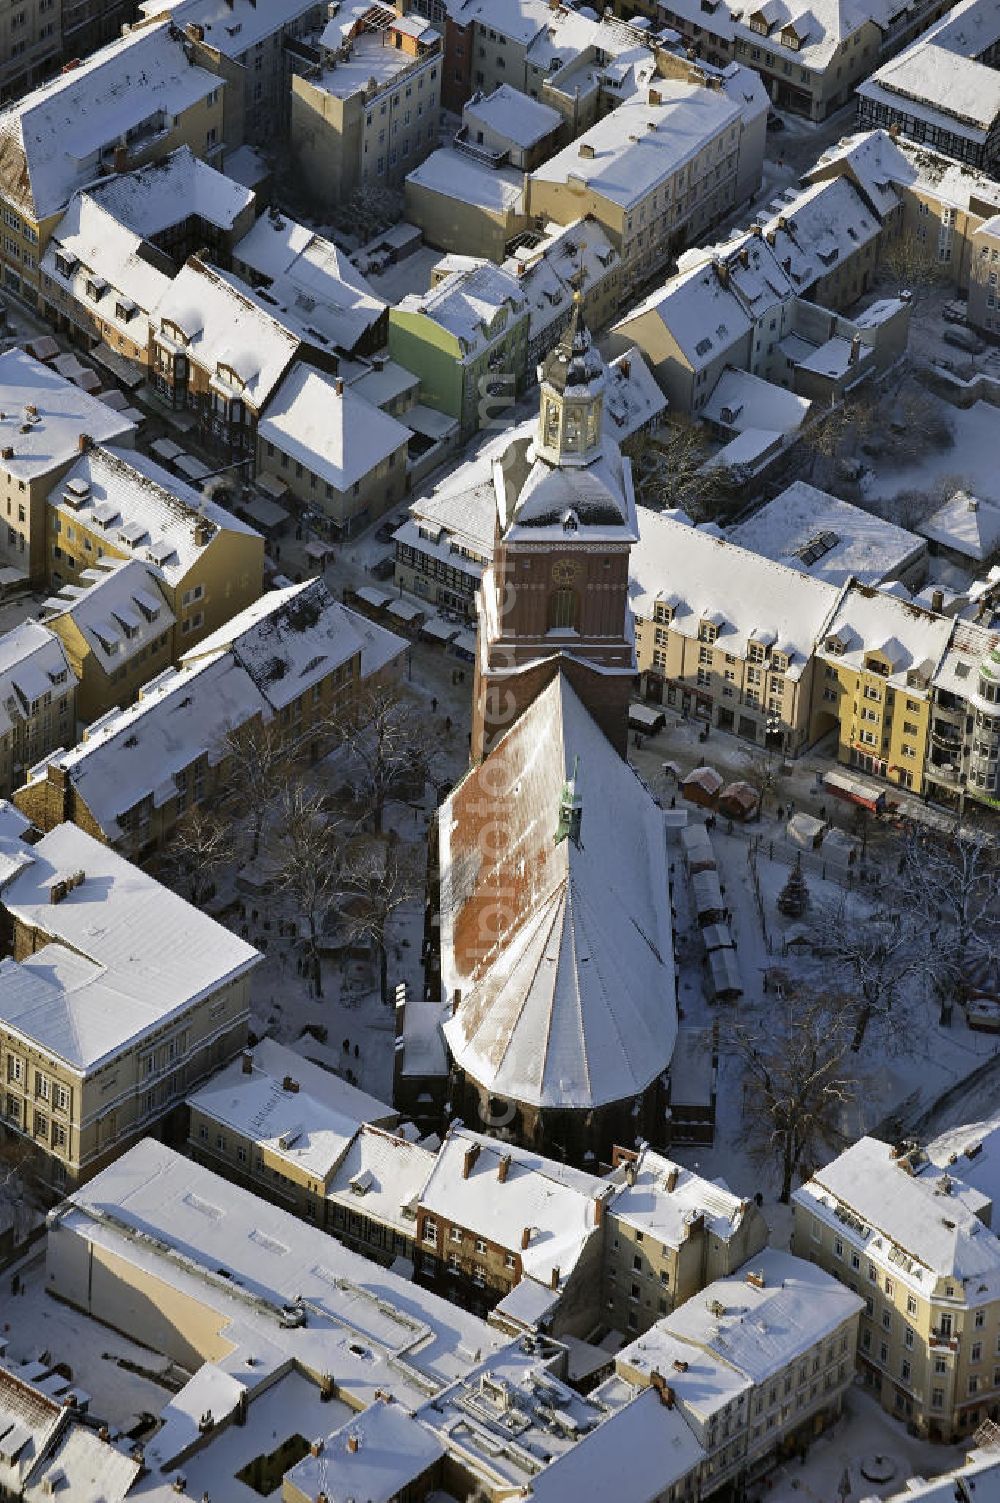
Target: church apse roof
{"x": 561, "y": 948}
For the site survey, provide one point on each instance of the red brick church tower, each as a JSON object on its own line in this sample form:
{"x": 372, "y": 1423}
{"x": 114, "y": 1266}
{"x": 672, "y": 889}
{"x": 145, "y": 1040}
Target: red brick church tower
{"x": 555, "y": 597}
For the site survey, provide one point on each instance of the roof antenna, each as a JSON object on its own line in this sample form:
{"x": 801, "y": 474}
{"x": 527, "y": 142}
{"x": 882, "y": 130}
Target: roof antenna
{"x": 570, "y": 809}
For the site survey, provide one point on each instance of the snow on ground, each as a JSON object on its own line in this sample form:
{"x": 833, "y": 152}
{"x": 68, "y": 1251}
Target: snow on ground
{"x": 32, "y": 1322}
{"x": 863, "y": 1431}
{"x": 972, "y": 458}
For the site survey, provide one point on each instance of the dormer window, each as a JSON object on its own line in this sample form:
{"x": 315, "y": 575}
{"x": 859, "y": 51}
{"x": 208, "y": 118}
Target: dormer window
{"x": 227, "y": 374}
{"x": 174, "y": 331}
{"x": 876, "y": 665}
{"x": 835, "y": 646}
{"x": 790, "y": 39}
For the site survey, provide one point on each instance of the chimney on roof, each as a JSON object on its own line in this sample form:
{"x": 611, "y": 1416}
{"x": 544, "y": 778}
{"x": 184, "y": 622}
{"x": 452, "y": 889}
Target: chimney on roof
{"x": 352, "y": 1444}
{"x": 456, "y": 1000}
{"x": 755, "y": 1280}
{"x": 586, "y": 150}
{"x": 84, "y": 443}
{"x": 937, "y": 600}
{"x": 973, "y": 503}
{"x": 247, "y": 1062}
{"x": 525, "y": 1237}
{"x": 666, "y": 1393}
{"x": 598, "y": 1209}
{"x": 673, "y": 1174}
{"x": 202, "y": 532}
{"x": 121, "y": 159}
{"x": 503, "y": 1168}
{"x": 469, "y": 1160}
{"x": 680, "y": 1365}
{"x": 316, "y": 1448}
{"x": 855, "y": 349}
{"x": 7, "y": 452}
{"x": 338, "y": 386}
{"x": 655, "y": 97}
{"x": 554, "y": 1281}
{"x": 625, "y": 366}
{"x": 290, "y": 1085}
{"x": 30, "y": 410}
{"x": 755, "y": 229}
{"x": 104, "y": 1434}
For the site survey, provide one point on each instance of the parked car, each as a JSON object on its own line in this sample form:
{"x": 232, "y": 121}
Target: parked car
{"x": 774, "y": 121}
{"x": 953, "y": 311}
{"x": 964, "y": 339}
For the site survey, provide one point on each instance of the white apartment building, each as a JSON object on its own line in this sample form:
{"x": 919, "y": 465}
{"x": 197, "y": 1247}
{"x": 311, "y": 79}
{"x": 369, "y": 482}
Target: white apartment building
{"x": 757, "y": 1363}
{"x": 914, "y": 1242}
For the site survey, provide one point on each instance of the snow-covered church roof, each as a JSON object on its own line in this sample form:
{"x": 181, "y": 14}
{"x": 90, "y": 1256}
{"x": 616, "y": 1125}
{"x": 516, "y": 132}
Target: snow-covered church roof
{"x": 561, "y": 949}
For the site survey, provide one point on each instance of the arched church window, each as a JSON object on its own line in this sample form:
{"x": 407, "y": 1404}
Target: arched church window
{"x": 563, "y": 608}
{"x": 573, "y": 430}
{"x": 552, "y": 423}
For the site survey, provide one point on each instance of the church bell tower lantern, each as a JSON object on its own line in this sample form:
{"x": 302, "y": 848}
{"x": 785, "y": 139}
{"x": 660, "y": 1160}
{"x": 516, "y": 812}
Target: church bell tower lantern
{"x": 571, "y": 411}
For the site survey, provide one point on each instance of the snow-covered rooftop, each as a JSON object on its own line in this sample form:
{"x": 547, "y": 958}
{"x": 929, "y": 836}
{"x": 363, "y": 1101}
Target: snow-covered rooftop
{"x": 367, "y": 1327}
{"x": 764, "y": 1325}
{"x": 226, "y": 325}
{"x": 371, "y": 57}
{"x": 293, "y": 638}
{"x": 310, "y": 1127}
{"x": 645, "y": 1201}
{"x": 163, "y": 194}
{"x": 931, "y": 80}
{"x": 755, "y": 599}
{"x": 512, "y": 115}
{"x": 574, "y": 1001}
{"x": 966, "y": 525}
{"x": 922, "y": 1214}
{"x": 52, "y": 140}
{"x": 375, "y": 1456}
{"x": 141, "y": 506}
{"x": 455, "y": 174}
{"x": 466, "y": 303}
{"x": 554, "y": 1202}
{"x": 641, "y": 145}
{"x": 132, "y": 754}
{"x": 316, "y": 281}
{"x": 123, "y": 956}
{"x": 381, "y": 1176}
{"x": 820, "y": 535}
{"x": 741, "y": 401}
{"x": 234, "y": 27}
{"x": 632, "y": 398}
{"x": 33, "y": 663}
{"x": 911, "y": 638}
{"x": 118, "y": 608}
{"x": 335, "y": 434}
{"x": 49, "y": 436}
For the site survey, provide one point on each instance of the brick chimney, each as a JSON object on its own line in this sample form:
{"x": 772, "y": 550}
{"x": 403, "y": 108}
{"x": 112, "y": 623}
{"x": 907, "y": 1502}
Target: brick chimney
{"x": 554, "y": 1281}
{"x": 525, "y": 1237}
{"x": 503, "y": 1168}
{"x": 338, "y": 386}
{"x": 247, "y": 1059}
{"x": 85, "y": 443}
{"x": 673, "y": 1175}
{"x": 469, "y": 1161}
{"x": 352, "y": 1444}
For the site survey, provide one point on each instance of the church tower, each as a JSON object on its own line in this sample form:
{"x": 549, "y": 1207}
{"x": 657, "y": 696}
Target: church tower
{"x": 555, "y": 597}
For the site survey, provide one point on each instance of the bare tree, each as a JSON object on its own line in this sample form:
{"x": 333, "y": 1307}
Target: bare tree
{"x": 798, "y": 1083}
{"x": 669, "y": 470}
{"x": 950, "y": 884}
{"x": 200, "y": 847}
{"x": 763, "y": 767}
{"x": 308, "y": 847}
{"x": 912, "y": 263}
{"x": 377, "y": 879}
{"x": 388, "y": 748}
{"x": 878, "y": 959}
{"x": 260, "y": 758}
{"x": 835, "y": 432}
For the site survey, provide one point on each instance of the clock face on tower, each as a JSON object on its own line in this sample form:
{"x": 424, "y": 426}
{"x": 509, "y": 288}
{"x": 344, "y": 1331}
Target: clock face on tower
{"x": 565, "y": 571}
